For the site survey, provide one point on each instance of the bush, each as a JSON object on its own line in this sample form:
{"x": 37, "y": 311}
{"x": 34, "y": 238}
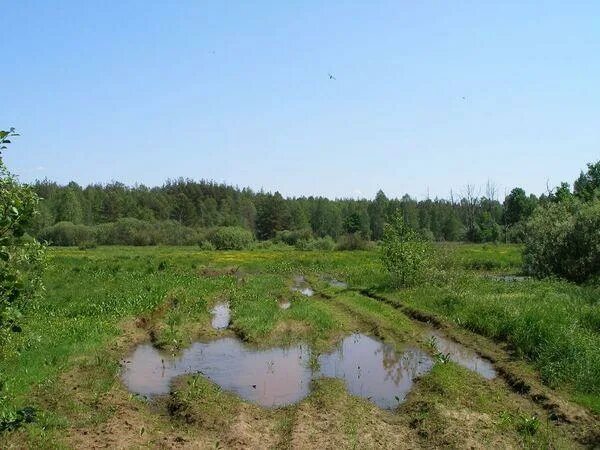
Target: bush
{"x": 206, "y": 245}
{"x": 353, "y": 241}
{"x": 326, "y": 243}
{"x": 230, "y": 238}
{"x": 517, "y": 233}
{"x": 22, "y": 259}
{"x": 405, "y": 255}
{"x": 170, "y": 232}
{"x": 293, "y": 237}
{"x": 564, "y": 240}
{"x": 127, "y": 231}
{"x": 67, "y": 234}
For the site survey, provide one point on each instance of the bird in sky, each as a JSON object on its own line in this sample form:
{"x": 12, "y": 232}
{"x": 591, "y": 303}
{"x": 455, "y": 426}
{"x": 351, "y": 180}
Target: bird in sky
{"x": 331, "y": 77}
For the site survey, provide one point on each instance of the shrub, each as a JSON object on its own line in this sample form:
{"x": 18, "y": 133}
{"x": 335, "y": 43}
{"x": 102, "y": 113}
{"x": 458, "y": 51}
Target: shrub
{"x": 127, "y": 231}
{"x": 405, "y": 255}
{"x": 22, "y": 259}
{"x": 564, "y": 240}
{"x": 353, "y": 241}
{"x": 170, "y": 232}
{"x": 293, "y": 237}
{"x": 326, "y": 243}
{"x": 67, "y": 234}
{"x": 206, "y": 245}
{"x": 230, "y": 238}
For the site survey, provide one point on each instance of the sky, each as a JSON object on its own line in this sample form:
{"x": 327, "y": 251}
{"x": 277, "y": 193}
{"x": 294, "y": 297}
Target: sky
{"x": 427, "y": 97}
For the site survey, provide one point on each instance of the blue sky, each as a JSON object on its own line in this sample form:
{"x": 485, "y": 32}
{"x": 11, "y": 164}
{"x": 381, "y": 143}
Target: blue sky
{"x": 142, "y": 91}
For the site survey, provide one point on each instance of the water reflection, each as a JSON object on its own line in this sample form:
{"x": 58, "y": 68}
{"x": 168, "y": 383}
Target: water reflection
{"x": 302, "y": 286}
{"x": 336, "y": 283}
{"x": 221, "y": 316}
{"x": 271, "y": 377}
{"x": 375, "y": 370}
{"x": 461, "y": 355}
{"x": 275, "y": 377}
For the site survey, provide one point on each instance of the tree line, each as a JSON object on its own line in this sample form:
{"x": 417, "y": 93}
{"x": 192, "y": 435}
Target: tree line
{"x": 206, "y": 204}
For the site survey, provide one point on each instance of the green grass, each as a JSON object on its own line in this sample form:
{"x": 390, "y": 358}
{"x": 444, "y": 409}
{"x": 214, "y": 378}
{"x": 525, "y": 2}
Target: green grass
{"x": 91, "y": 294}
{"x": 488, "y": 257}
{"x": 550, "y": 323}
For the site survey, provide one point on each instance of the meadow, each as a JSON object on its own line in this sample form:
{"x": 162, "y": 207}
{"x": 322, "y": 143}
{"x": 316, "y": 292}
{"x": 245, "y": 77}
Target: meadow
{"x": 62, "y": 386}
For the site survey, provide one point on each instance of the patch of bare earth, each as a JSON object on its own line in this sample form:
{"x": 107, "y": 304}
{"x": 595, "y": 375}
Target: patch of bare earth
{"x": 332, "y": 419}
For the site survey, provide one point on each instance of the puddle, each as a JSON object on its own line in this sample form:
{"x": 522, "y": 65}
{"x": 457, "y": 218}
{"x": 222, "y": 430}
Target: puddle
{"x": 302, "y": 286}
{"x": 336, "y": 283}
{"x": 374, "y": 370}
{"x": 275, "y": 377}
{"x": 221, "y": 316}
{"x": 462, "y": 355}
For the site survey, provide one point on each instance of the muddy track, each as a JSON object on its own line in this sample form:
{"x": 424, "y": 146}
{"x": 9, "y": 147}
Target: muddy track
{"x": 580, "y": 423}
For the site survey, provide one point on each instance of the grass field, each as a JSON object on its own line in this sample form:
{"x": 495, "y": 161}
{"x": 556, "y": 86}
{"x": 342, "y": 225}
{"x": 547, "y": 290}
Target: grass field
{"x": 543, "y": 338}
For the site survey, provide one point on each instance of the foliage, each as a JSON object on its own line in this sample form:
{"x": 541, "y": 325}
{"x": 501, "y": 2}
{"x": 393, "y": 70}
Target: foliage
{"x": 405, "y": 255}
{"x": 352, "y": 241}
{"x": 11, "y": 420}
{"x": 563, "y": 239}
{"x": 206, "y": 245}
{"x": 21, "y": 258}
{"x": 324, "y": 244}
{"x": 205, "y": 204}
{"x": 293, "y": 237}
{"x": 587, "y": 186}
{"x": 127, "y": 231}
{"x": 67, "y": 234}
{"x": 517, "y": 207}
{"x": 230, "y": 238}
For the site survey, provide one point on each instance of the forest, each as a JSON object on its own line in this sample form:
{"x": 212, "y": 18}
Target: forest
{"x": 182, "y": 211}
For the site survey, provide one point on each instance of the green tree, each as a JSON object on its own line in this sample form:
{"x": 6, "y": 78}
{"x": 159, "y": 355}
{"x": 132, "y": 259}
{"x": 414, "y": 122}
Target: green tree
{"x": 562, "y": 194}
{"x": 272, "y": 216}
{"x": 517, "y": 207}
{"x": 377, "y": 213}
{"x": 68, "y": 207}
{"x": 183, "y": 210}
{"x": 452, "y": 228}
{"x": 404, "y": 254}
{"x": 587, "y": 186}
{"x": 21, "y": 258}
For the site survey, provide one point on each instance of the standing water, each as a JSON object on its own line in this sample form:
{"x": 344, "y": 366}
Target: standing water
{"x": 280, "y": 376}
{"x": 271, "y": 377}
{"x": 302, "y": 286}
{"x": 461, "y": 355}
{"x": 374, "y": 370}
{"x": 221, "y": 316}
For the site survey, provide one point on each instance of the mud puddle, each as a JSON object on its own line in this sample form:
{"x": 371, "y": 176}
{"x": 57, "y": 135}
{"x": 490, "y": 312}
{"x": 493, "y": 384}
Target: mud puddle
{"x": 271, "y": 377}
{"x": 302, "y": 286}
{"x": 221, "y": 316}
{"x": 461, "y": 355}
{"x": 336, "y": 283}
{"x": 374, "y": 370}
{"x": 275, "y": 377}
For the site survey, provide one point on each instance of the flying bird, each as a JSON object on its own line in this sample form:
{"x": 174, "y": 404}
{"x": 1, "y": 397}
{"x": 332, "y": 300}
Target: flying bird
{"x": 331, "y": 77}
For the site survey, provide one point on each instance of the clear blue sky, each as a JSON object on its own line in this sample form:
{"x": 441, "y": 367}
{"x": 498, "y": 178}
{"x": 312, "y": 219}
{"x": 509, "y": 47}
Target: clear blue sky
{"x": 142, "y": 91}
